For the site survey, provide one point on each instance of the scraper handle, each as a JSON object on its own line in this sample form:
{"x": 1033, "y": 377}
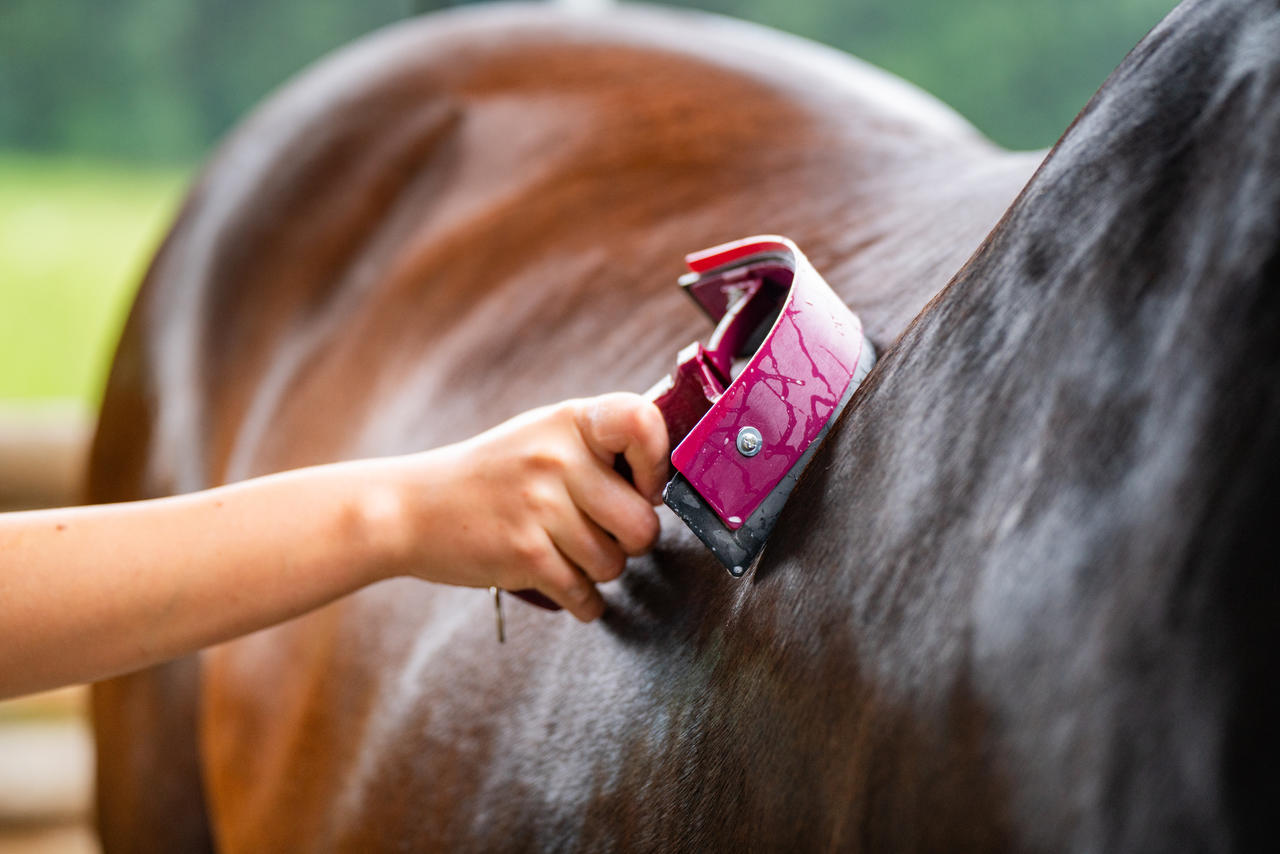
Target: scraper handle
{"x": 533, "y": 597}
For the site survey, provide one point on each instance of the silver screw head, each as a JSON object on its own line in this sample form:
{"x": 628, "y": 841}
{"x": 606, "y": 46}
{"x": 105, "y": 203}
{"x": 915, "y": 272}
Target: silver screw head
{"x": 749, "y": 441}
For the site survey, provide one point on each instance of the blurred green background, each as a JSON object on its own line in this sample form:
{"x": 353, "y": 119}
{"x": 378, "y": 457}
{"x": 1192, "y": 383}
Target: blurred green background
{"x": 107, "y": 106}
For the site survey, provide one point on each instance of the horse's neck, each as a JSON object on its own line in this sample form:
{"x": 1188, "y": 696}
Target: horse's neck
{"x": 890, "y": 238}
{"x": 1059, "y": 477}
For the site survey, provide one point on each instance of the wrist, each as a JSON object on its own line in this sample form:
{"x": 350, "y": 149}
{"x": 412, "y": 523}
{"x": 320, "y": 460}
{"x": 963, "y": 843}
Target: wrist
{"x": 383, "y": 542}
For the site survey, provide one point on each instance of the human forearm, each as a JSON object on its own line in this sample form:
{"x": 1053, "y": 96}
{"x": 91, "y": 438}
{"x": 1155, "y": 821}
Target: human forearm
{"x": 151, "y": 580}
{"x": 86, "y": 593}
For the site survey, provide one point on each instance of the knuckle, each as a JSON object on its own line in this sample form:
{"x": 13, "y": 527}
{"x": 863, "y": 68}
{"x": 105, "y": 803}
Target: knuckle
{"x": 632, "y": 419}
{"x": 548, "y": 460}
{"x": 632, "y": 547}
{"x": 575, "y": 589}
{"x": 530, "y": 553}
{"x": 648, "y": 426}
{"x": 641, "y": 533}
{"x": 606, "y": 564}
{"x": 647, "y": 419}
{"x": 566, "y": 412}
{"x": 611, "y": 567}
{"x": 539, "y": 498}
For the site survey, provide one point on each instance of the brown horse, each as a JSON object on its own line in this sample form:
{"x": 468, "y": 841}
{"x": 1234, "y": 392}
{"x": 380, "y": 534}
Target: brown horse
{"x": 992, "y": 615}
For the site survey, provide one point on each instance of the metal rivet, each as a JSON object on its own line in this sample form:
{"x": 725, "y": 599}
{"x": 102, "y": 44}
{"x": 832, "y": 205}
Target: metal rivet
{"x": 749, "y": 441}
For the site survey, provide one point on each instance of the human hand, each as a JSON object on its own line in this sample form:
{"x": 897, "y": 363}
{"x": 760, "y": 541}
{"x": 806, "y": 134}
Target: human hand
{"x": 535, "y": 502}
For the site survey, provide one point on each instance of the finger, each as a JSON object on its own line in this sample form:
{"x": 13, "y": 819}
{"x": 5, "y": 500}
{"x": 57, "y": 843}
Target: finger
{"x": 560, "y": 581}
{"x": 588, "y": 546}
{"x": 611, "y": 503}
{"x": 627, "y": 424}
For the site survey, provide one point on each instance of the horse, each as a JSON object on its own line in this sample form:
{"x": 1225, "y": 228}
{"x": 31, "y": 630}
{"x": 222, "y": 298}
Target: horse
{"x": 1023, "y": 597}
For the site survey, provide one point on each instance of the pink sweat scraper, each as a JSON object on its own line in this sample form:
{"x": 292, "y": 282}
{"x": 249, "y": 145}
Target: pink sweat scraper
{"x": 748, "y": 411}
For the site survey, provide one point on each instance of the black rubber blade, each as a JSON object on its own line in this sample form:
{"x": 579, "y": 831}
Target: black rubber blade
{"x": 736, "y": 549}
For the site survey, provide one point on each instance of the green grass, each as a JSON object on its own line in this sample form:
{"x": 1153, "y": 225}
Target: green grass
{"x": 75, "y": 239}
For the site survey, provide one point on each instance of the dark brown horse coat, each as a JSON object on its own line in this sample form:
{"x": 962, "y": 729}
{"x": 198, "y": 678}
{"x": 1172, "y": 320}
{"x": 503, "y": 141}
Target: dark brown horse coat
{"x": 1023, "y": 599}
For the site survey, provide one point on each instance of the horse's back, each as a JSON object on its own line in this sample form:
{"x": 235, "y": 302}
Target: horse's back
{"x": 442, "y": 226}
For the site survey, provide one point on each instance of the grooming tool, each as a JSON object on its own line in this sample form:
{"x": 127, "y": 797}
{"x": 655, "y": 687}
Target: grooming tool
{"x": 752, "y": 407}
{"x": 747, "y": 412}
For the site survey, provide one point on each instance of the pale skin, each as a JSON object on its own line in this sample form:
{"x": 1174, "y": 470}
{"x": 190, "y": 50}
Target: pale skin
{"x": 91, "y": 592}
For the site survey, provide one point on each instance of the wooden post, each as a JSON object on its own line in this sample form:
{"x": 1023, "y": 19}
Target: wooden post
{"x": 46, "y": 747}
{"x": 43, "y": 452}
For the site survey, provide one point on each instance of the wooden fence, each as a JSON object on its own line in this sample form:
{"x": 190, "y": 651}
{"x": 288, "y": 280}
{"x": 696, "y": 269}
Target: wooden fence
{"x": 46, "y": 751}
{"x": 43, "y": 451}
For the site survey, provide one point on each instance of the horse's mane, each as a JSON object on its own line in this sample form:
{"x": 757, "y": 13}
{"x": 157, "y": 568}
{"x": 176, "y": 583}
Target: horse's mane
{"x": 1053, "y": 496}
